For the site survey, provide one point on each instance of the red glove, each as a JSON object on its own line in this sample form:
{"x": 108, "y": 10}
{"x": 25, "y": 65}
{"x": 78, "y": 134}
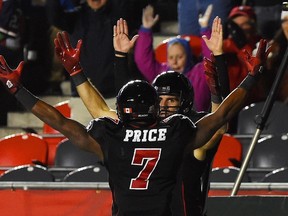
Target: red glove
{"x": 211, "y": 76}
{"x": 255, "y": 64}
{"x": 69, "y": 56}
{"x": 10, "y": 78}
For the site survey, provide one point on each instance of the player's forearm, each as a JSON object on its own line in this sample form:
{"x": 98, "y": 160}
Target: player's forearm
{"x": 121, "y": 72}
{"x": 49, "y": 115}
{"x": 222, "y": 70}
{"x": 88, "y": 94}
{"x": 231, "y": 105}
{"x": 236, "y": 99}
{"x": 200, "y": 153}
{"x": 71, "y": 129}
{"x": 91, "y": 97}
{"x": 94, "y": 101}
{"x": 208, "y": 125}
{"x": 224, "y": 128}
{"x": 43, "y": 111}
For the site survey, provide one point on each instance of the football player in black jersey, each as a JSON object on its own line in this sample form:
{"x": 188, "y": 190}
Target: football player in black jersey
{"x": 176, "y": 96}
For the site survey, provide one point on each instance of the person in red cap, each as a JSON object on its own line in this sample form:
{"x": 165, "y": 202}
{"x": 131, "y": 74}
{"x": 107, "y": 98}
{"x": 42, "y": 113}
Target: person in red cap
{"x": 241, "y": 33}
{"x": 242, "y": 10}
{"x": 245, "y": 18}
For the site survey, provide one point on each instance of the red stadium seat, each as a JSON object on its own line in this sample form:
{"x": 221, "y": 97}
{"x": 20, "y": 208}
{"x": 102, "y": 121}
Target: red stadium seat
{"x": 52, "y": 136}
{"x": 22, "y": 148}
{"x": 229, "y": 152}
{"x": 161, "y": 49}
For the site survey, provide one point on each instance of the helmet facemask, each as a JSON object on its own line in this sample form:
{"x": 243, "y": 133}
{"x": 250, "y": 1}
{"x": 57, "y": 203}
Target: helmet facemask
{"x": 169, "y": 100}
{"x": 174, "y": 84}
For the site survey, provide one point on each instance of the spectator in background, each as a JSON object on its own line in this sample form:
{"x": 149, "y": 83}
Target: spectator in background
{"x": 91, "y": 21}
{"x": 37, "y": 50}
{"x": 190, "y": 10}
{"x": 13, "y": 53}
{"x": 24, "y": 35}
{"x": 241, "y": 33}
{"x": 179, "y": 58}
{"x": 135, "y": 13}
{"x": 11, "y": 31}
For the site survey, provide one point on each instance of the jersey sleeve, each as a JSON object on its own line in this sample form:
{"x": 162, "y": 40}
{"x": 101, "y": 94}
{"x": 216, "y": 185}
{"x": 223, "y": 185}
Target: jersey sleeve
{"x": 97, "y": 128}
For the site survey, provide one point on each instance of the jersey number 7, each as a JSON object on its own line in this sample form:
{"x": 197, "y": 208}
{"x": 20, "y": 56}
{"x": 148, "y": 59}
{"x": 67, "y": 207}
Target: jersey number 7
{"x": 148, "y": 158}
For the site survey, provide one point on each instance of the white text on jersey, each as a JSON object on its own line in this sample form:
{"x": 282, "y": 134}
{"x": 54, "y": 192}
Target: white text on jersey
{"x": 151, "y": 135}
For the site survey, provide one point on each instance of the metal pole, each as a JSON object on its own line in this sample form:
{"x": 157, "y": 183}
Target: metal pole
{"x": 245, "y": 163}
{"x": 261, "y": 120}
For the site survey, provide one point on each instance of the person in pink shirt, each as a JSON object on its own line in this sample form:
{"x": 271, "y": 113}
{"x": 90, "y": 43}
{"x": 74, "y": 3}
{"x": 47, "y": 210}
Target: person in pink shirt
{"x": 179, "y": 57}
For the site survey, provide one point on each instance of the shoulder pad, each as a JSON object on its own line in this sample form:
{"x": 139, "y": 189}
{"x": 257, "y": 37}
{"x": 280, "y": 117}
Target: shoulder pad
{"x": 102, "y": 119}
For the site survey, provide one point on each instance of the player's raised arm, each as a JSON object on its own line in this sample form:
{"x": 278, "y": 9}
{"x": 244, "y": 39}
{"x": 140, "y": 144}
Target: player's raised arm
{"x": 122, "y": 45}
{"x": 70, "y": 58}
{"x": 212, "y": 78}
{"x": 232, "y": 104}
{"x": 73, "y": 130}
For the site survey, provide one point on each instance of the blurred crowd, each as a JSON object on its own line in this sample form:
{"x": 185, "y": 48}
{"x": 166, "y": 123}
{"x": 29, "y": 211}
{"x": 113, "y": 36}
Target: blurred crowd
{"x": 28, "y": 28}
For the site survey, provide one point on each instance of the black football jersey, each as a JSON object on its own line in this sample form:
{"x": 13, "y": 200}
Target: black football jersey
{"x": 193, "y": 182}
{"x": 188, "y": 189}
{"x": 143, "y": 163}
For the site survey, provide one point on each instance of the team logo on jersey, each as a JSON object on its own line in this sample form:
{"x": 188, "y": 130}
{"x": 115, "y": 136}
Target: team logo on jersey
{"x": 127, "y": 110}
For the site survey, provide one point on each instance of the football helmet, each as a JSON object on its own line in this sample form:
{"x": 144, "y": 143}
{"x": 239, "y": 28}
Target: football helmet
{"x": 137, "y": 102}
{"x": 174, "y": 83}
